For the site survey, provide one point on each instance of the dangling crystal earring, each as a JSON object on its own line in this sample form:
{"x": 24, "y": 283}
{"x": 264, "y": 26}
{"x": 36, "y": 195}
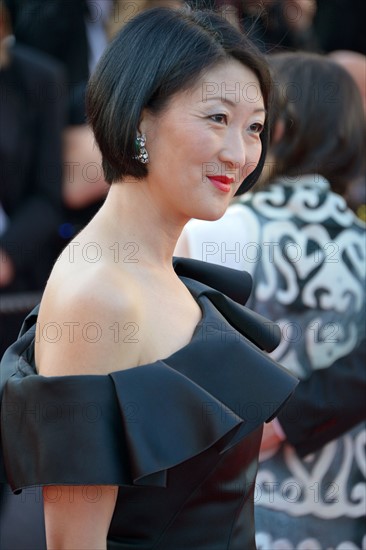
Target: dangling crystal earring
{"x": 142, "y": 154}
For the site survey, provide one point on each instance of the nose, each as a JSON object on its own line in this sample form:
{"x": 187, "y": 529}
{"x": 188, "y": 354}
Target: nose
{"x": 233, "y": 150}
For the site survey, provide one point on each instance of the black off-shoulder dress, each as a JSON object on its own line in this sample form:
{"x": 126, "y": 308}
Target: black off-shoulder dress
{"x": 179, "y": 436}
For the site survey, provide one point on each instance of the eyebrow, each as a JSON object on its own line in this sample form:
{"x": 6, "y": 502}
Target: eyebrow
{"x": 232, "y": 103}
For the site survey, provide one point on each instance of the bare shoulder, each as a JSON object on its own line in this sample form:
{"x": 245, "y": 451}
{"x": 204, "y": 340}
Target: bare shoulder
{"x": 88, "y": 322}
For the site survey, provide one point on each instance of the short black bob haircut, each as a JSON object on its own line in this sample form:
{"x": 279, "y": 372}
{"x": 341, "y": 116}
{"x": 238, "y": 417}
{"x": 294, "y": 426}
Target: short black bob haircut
{"x": 157, "y": 54}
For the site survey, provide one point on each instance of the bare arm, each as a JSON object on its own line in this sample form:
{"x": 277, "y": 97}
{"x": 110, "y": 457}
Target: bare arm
{"x": 78, "y": 517}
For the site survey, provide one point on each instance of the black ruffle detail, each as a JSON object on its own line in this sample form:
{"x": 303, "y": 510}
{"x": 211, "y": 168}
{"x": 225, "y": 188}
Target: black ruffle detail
{"x": 232, "y": 282}
{"x": 103, "y": 430}
{"x": 132, "y": 426}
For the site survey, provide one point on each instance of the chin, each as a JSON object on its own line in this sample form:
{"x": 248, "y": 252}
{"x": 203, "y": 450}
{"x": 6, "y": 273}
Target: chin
{"x": 210, "y": 215}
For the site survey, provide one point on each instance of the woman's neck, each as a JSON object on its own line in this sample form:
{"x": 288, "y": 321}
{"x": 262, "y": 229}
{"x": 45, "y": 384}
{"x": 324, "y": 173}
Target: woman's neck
{"x": 131, "y": 214}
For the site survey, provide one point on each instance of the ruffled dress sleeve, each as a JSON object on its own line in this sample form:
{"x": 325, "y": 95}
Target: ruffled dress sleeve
{"x": 132, "y": 426}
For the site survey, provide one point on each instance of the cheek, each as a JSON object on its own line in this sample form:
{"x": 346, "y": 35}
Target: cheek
{"x": 181, "y": 144}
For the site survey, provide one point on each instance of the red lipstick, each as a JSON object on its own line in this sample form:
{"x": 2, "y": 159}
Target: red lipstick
{"x": 221, "y": 182}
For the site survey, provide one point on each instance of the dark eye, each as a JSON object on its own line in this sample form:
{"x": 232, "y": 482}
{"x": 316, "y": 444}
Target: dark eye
{"x": 256, "y": 127}
{"x": 219, "y": 118}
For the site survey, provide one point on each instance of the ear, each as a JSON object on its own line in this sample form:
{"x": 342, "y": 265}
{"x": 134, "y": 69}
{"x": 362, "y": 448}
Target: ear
{"x": 279, "y": 130}
{"x": 147, "y": 123}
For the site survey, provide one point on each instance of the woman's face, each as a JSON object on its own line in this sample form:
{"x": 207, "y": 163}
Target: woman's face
{"x": 204, "y": 144}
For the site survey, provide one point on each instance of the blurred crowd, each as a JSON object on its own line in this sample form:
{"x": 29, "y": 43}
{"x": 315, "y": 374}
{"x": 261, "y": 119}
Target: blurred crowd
{"x": 51, "y": 177}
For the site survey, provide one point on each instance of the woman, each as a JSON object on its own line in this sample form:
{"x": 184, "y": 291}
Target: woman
{"x": 306, "y": 251}
{"x": 138, "y": 450}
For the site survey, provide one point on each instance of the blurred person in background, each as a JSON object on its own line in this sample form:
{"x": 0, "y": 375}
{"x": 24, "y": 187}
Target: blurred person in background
{"x": 274, "y": 25}
{"x": 281, "y": 25}
{"x": 32, "y": 117}
{"x": 355, "y": 64}
{"x": 31, "y": 122}
{"x": 73, "y": 32}
{"x": 289, "y": 25}
{"x": 339, "y": 25}
{"x": 306, "y": 252}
